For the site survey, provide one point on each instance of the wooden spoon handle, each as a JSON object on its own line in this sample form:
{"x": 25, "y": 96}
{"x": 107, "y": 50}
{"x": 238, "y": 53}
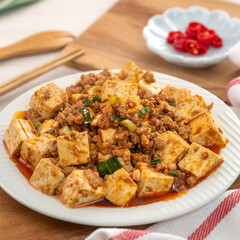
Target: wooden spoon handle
{"x": 26, "y": 77}
{"x": 37, "y": 43}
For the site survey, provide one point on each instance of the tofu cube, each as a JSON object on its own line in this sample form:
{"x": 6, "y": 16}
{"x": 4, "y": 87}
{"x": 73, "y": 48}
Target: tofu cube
{"x": 189, "y": 108}
{"x": 107, "y": 135}
{"x": 126, "y": 157}
{"x": 76, "y": 189}
{"x": 152, "y": 182}
{"x": 174, "y": 149}
{"x": 76, "y": 96}
{"x": 73, "y": 149}
{"x": 130, "y": 73}
{"x": 122, "y": 90}
{"x": 94, "y": 122}
{"x": 205, "y": 130}
{"x": 120, "y": 188}
{"x": 48, "y": 100}
{"x": 138, "y": 105}
{"x": 154, "y": 87}
{"x": 34, "y": 149}
{"x": 46, "y": 176}
{"x": 18, "y": 131}
{"x": 177, "y": 93}
{"x": 199, "y": 160}
{"x": 103, "y": 157}
{"x": 48, "y": 126}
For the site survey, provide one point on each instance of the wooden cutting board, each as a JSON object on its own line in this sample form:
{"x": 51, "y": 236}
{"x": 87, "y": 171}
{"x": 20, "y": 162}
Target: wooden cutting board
{"x": 115, "y": 38}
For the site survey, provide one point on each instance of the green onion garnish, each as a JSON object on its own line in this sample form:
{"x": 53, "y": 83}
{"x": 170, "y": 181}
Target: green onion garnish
{"x": 86, "y": 115}
{"x": 37, "y": 124}
{"x": 96, "y": 98}
{"x": 171, "y": 103}
{"x": 155, "y": 161}
{"x": 87, "y": 101}
{"x": 113, "y": 99}
{"x": 128, "y": 124}
{"x": 66, "y": 130}
{"x": 94, "y": 89}
{"x": 118, "y": 118}
{"x": 109, "y": 166}
{"x": 102, "y": 168}
{"x": 143, "y": 111}
{"x": 153, "y": 129}
{"x": 174, "y": 173}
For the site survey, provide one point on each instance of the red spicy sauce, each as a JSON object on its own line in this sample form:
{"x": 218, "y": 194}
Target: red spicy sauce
{"x": 171, "y": 195}
{"x": 23, "y": 167}
{"x": 27, "y": 172}
{"x": 137, "y": 201}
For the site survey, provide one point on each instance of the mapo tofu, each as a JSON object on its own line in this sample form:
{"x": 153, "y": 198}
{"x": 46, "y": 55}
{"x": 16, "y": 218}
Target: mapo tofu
{"x": 116, "y": 138}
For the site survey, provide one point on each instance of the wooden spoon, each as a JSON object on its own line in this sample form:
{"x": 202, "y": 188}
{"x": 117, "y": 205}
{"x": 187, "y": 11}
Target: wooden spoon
{"x": 37, "y": 43}
{"x": 73, "y": 51}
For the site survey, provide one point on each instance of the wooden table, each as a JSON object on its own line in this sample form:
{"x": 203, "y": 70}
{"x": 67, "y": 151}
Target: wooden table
{"x": 110, "y": 42}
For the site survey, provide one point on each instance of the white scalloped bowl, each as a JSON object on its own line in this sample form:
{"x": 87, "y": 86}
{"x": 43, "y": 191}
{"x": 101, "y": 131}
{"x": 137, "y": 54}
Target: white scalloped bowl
{"x": 156, "y": 32}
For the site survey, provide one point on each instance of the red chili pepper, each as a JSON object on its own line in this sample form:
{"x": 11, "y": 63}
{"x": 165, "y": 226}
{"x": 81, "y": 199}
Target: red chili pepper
{"x": 154, "y": 122}
{"x": 179, "y": 42}
{"x": 205, "y": 38}
{"x": 172, "y": 35}
{"x": 194, "y": 47}
{"x": 217, "y": 41}
{"x": 194, "y": 28}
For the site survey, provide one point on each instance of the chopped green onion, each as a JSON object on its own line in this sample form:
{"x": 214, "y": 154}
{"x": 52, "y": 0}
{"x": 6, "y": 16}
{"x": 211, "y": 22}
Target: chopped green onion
{"x": 155, "y": 161}
{"x": 171, "y": 103}
{"x": 117, "y": 161}
{"x": 94, "y": 89}
{"x": 86, "y": 115}
{"x": 37, "y": 124}
{"x": 122, "y": 100}
{"x": 102, "y": 168}
{"x": 112, "y": 166}
{"x": 66, "y": 130}
{"x": 118, "y": 118}
{"x": 174, "y": 173}
{"x": 109, "y": 166}
{"x": 113, "y": 100}
{"x": 128, "y": 124}
{"x": 153, "y": 129}
{"x": 96, "y": 98}
{"x": 87, "y": 102}
{"x": 143, "y": 111}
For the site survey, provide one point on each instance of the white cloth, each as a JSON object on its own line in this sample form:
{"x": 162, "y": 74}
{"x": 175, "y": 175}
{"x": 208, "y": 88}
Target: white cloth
{"x": 234, "y": 55}
{"x": 218, "y": 220}
{"x": 74, "y": 16}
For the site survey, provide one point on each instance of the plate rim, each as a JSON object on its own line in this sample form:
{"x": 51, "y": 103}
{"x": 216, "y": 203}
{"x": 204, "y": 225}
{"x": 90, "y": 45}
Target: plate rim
{"x": 93, "y": 222}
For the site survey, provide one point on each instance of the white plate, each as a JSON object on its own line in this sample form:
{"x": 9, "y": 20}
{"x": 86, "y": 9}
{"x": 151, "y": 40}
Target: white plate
{"x": 13, "y": 182}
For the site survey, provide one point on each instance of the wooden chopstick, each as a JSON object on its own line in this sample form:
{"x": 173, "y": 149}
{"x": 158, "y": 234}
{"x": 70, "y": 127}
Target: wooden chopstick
{"x": 27, "y": 76}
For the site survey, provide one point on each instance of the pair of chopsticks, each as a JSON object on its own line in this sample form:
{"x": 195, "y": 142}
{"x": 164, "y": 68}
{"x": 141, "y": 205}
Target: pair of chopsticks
{"x": 27, "y": 76}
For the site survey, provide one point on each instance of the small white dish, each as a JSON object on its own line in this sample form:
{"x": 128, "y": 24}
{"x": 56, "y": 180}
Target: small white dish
{"x": 158, "y": 27}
